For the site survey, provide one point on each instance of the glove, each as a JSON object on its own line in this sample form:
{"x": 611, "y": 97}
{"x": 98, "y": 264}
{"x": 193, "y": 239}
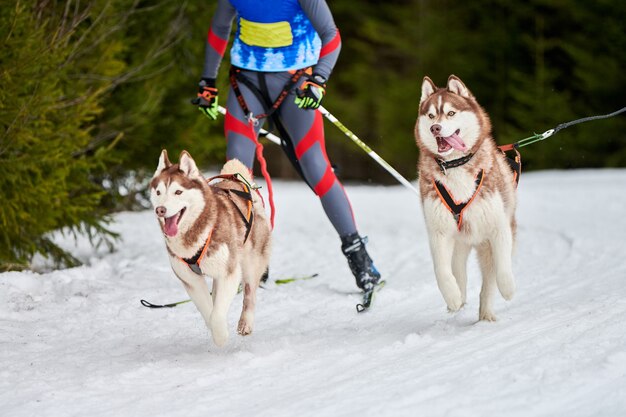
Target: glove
{"x": 207, "y": 98}
{"x": 311, "y": 93}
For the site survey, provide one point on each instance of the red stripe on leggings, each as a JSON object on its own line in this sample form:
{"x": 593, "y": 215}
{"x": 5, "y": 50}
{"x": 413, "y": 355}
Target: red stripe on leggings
{"x": 331, "y": 46}
{"x": 231, "y": 123}
{"x": 326, "y": 182}
{"x": 315, "y": 134}
{"x": 216, "y": 42}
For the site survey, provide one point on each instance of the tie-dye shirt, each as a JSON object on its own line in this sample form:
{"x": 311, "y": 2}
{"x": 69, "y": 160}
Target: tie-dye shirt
{"x": 274, "y": 36}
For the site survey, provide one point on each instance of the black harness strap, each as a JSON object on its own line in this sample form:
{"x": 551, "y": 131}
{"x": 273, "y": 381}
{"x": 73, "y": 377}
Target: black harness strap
{"x": 446, "y": 197}
{"x": 290, "y": 151}
{"x": 194, "y": 262}
{"x": 236, "y": 76}
{"x": 514, "y": 162}
{"x": 455, "y": 207}
{"x": 246, "y": 195}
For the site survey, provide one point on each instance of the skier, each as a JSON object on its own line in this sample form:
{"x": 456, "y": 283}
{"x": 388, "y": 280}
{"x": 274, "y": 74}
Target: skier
{"x": 281, "y": 58}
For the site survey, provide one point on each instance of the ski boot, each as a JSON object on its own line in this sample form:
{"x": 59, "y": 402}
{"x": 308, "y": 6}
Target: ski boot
{"x": 366, "y": 275}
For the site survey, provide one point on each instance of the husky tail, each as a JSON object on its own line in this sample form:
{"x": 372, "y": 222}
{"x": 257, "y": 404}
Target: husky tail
{"x": 235, "y": 166}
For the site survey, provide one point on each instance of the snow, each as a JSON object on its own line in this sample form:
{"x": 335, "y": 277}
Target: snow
{"x": 77, "y": 342}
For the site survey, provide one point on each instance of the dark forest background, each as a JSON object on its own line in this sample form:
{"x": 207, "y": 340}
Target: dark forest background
{"x": 92, "y": 90}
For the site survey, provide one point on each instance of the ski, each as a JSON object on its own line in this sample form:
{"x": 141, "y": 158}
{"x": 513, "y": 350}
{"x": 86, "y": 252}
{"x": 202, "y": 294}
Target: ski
{"x": 290, "y": 280}
{"x": 170, "y": 305}
{"x": 368, "y": 296}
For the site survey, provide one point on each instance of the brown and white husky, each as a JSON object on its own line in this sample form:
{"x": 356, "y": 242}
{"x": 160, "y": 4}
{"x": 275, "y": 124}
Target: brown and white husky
{"x": 220, "y": 231}
{"x": 468, "y": 192}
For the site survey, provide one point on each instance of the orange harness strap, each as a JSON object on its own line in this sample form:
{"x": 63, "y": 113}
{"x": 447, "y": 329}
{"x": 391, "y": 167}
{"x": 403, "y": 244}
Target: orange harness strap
{"x": 194, "y": 263}
{"x": 514, "y": 162}
{"x": 246, "y": 194}
{"x": 455, "y": 207}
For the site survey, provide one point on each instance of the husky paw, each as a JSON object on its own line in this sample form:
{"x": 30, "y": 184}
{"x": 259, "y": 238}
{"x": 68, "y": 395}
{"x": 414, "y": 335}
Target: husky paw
{"x": 453, "y": 298}
{"x": 220, "y": 334}
{"x": 487, "y": 315}
{"x": 244, "y": 328}
{"x": 454, "y": 304}
{"x": 506, "y": 286}
{"x": 220, "y": 337}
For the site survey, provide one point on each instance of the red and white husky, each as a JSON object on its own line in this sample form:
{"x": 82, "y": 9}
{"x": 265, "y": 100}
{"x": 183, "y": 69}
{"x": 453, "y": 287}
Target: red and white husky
{"x": 468, "y": 192}
{"x": 220, "y": 231}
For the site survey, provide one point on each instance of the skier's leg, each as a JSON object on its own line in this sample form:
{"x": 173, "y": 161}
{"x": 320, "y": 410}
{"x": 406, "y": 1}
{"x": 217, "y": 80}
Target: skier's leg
{"x": 306, "y": 131}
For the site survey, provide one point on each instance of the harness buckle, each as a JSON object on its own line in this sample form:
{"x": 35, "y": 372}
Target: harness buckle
{"x": 442, "y": 166}
{"x": 253, "y": 120}
{"x": 547, "y": 134}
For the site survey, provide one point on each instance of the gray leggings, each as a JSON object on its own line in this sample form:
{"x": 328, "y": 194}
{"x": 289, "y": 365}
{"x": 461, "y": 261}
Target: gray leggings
{"x": 305, "y": 130}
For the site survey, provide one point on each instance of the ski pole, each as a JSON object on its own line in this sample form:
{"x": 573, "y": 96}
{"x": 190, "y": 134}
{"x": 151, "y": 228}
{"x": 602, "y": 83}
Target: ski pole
{"x": 262, "y": 132}
{"x": 367, "y": 149}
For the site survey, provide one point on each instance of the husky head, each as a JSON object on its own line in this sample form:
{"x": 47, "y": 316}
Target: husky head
{"x": 450, "y": 124}
{"x": 177, "y": 193}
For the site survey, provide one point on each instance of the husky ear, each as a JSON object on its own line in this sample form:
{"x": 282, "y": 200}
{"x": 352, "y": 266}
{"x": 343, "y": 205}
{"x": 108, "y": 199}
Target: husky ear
{"x": 188, "y": 165}
{"x": 456, "y": 86}
{"x": 428, "y": 89}
{"x": 164, "y": 162}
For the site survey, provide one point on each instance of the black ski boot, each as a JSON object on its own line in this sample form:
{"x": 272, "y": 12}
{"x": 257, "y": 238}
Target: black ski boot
{"x": 361, "y": 265}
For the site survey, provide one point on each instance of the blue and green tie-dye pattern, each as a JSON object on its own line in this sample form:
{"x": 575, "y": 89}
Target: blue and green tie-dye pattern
{"x": 261, "y": 42}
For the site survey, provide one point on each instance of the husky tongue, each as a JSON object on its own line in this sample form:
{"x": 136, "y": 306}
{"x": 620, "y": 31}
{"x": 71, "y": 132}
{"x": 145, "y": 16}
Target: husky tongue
{"x": 171, "y": 225}
{"x": 456, "y": 142}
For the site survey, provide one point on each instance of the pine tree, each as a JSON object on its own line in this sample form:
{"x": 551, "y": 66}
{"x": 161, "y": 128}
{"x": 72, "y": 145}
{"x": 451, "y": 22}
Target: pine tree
{"x": 56, "y": 65}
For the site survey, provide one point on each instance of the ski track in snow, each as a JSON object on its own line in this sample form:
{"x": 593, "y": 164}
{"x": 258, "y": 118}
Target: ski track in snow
{"x": 77, "y": 342}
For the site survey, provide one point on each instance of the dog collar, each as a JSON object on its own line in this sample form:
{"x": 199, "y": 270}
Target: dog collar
{"x": 444, "y": 165}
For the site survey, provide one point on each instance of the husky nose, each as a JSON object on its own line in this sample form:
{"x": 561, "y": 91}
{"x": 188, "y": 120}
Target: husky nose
{"x": 435, "y": 129}
{"x": 160, "y": 211}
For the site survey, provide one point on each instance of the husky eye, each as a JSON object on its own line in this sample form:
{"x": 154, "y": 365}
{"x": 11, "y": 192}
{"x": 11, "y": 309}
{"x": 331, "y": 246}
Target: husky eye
{"x": 451, "y": 113}
{"x": 178, "y": 192}
{"x": 158, "y": 192}
{"x": 431, "y": 116}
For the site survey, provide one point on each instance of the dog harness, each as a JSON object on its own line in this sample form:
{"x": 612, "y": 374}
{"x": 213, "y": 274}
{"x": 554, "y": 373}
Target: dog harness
{"x": 457, "y": 208}
{"x": 235, "y": 78}
{"x": 515, "y": 162}
{"x": 246, "y": 195}
{"x": 194, "y": 262}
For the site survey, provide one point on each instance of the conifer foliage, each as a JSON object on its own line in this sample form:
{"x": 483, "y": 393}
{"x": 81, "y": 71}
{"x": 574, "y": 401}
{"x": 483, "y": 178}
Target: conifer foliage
{"x": 57, "y": 63}
{"x": 49, "y": 98}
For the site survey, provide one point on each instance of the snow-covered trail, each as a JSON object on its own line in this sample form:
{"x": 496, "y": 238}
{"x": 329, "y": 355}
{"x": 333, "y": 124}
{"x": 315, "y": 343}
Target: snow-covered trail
{"x": 77, "y": 342}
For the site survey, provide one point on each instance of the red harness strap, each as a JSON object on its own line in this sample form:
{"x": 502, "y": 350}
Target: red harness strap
{"x": 266, "y": 175}
{"x": 457, "y": 208}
